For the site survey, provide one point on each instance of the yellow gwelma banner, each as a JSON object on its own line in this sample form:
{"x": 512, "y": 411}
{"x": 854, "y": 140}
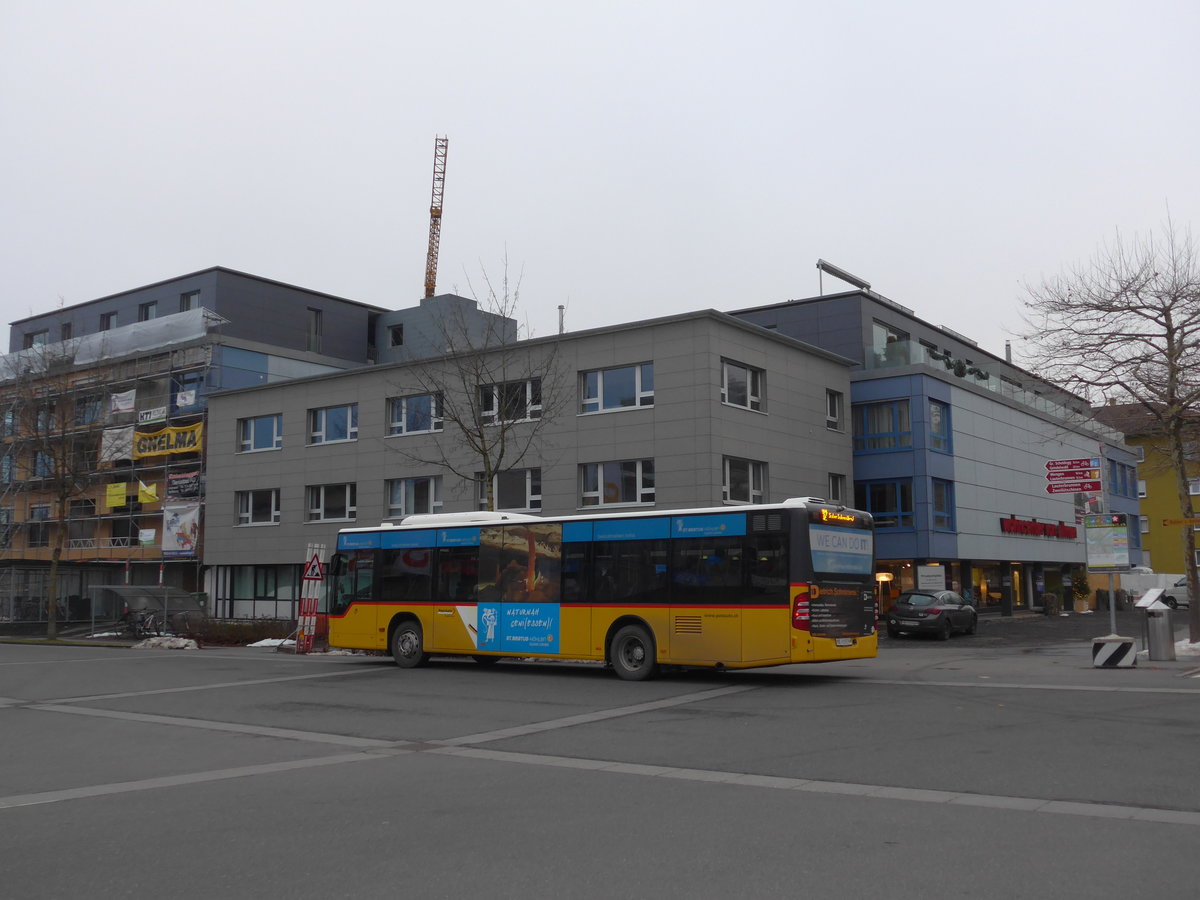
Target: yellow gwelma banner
{"x": 169, "y": 440}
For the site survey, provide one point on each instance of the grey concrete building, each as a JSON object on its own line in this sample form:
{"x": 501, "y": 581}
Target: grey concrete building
{"x": 691, "y": 410}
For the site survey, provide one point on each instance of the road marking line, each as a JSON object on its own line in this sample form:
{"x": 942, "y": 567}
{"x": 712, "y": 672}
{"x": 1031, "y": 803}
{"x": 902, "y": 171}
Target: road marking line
{"x": 598, "y": 716}
{"x": 201, "y": 687}
{"x": 867, "y": 791}
{"x": 315, "y": 737}
{"x": 149, "y": 784}
{"x": 1099, "y": 689}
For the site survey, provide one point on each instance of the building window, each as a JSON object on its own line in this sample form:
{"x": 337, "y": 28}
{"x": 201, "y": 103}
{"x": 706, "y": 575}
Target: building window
{"x": 1141, "y": 488}
{"x": 6, "y": 526}
{"x": 64, "y": 331}
{"x": 418, "y": 414}
{"x": 515, "y": 489}
{"x": 744, "y": 481}
{"x": 88, "y": 410}
{"x": 396, "y": 335}
{"x": 260, "y": 433}
{"x": 332, "y": 501}
{"x": 414, "y": 496}
{"x": 258, "y": 507}
{"x": 741, "y": 385}
{"x": 890, "y": 502}
{"x": 939, "y": 426}
{"x": 314, "y": 330}
{"x": 625, "y": 387}
{"x": 43, "y": 464}
{"x": 834, "y": 409}
{"x": 943, "y": 505}
{"x": 1144, "y": 524}
{"x": 882, "y": 426}
{"x": 514, "y": 401}
{"x": 82, "y": 509}
{"x": 148, "y": 311}
{"x": 616, "y": 483}
{"x": 6, "y": 470}
{"x": 190, "y": 300}
{"x": 39, "y": 526}
{"x": 333, "y": 423}
{"x": 108, "y": 321}
{"x": 837, "y": 488}
{"x": 1194, "y": 486}
{"x": 36, "y": 339}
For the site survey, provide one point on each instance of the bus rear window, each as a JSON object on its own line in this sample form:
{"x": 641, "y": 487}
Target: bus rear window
{"x": 847, "y": 551}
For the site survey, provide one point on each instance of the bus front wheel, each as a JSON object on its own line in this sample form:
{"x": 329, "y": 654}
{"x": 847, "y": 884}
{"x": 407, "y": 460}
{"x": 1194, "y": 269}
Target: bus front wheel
{"x": 632, "y": 653}
{"x": 408, "y": 644}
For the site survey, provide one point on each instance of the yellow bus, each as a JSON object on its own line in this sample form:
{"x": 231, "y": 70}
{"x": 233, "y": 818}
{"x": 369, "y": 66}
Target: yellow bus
{"x": 764, "y": 585}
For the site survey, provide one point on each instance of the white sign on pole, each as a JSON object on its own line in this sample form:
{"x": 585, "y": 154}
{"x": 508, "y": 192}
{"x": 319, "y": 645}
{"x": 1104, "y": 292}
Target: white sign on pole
{"x": 1107, "y": 542}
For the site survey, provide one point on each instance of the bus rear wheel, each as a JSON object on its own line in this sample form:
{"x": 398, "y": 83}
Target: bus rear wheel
{"x": 408, "y": 642}
{"x": 632, "y": 653}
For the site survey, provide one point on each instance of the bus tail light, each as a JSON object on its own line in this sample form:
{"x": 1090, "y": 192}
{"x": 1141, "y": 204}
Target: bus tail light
{"x": 801, "y": 618}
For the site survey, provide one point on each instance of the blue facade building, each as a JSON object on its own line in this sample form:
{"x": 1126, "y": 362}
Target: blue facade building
{"x": 951, "y": 446}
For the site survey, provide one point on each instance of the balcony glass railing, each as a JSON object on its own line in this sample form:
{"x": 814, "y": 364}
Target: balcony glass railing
{"x": 911, "y": 353}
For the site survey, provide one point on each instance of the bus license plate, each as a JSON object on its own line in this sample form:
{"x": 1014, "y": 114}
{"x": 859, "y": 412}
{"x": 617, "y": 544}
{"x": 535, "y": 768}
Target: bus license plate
{"x": 844, "y": 642}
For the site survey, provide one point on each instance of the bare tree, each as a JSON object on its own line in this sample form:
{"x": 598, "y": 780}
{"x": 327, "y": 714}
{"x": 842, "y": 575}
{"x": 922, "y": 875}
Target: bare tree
{"x": 52, "y": 422}
{"x": 1125, "y": 327}
{"x": 492, "y": 392}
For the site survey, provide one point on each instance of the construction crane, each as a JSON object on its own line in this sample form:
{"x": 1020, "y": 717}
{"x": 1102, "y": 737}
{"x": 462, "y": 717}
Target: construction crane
{"x": 435, "y": 214}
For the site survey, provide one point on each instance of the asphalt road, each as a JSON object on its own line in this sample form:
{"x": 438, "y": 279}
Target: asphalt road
{"x": 967, "y": 768}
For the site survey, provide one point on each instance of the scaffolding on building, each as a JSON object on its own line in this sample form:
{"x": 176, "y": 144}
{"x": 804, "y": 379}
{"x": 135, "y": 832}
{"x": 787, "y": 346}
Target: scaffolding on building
{"x": 69, "y": 417}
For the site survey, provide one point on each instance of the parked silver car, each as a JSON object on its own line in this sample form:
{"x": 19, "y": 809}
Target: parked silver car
{"x": 940, "y": 613}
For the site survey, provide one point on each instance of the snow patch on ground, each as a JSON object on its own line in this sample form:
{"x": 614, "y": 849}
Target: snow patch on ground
{"x": 166, "y": 643}
{"x": 1187, "y": 648}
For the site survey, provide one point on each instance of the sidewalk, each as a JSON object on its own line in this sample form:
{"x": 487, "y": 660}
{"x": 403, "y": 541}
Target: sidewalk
{"x": 1037, "y": 630}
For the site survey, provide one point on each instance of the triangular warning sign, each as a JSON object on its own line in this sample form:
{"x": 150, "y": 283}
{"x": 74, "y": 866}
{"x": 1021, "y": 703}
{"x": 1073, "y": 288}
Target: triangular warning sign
{"x": 312, "y": 571}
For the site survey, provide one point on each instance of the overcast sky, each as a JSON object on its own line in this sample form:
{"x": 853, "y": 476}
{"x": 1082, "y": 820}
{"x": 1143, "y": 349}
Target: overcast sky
{"x": 632, "y": 159}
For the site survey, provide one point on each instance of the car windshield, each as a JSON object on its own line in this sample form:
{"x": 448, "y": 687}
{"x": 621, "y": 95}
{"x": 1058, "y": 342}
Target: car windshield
{"x": 918, "y": 599}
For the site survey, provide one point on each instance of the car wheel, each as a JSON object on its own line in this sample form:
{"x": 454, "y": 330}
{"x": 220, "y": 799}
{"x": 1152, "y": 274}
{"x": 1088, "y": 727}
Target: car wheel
{"x": 943, "y": 633}
{"x": 974, "y": 624}
{"x": 1171, "y": 602}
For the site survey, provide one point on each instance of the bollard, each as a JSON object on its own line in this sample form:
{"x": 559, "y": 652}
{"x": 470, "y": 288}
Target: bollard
{"x": 1113, "y": 652}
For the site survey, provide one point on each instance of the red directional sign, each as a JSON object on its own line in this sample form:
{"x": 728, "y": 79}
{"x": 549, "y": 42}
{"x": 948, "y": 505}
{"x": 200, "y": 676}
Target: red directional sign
{"x": 1073, "y": 487}
{"x": 1059, "y": 464}
{"x": 1073, "y": 475}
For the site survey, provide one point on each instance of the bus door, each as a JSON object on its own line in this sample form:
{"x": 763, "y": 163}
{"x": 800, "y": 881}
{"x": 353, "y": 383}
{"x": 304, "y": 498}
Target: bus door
{"x": 766, "y": 602}
{"x": 455, "y": 614}
{"x": 352, "y": 605}
{"x": 706, "y": 587}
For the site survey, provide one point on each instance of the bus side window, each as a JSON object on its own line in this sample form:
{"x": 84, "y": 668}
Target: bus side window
{"x": 458, "y": 574}
{"x": 406, "y": 575}
{"x": 575, "y": 570}
{"x": 630, "y": 571}
{"x": 769, "y": 568}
